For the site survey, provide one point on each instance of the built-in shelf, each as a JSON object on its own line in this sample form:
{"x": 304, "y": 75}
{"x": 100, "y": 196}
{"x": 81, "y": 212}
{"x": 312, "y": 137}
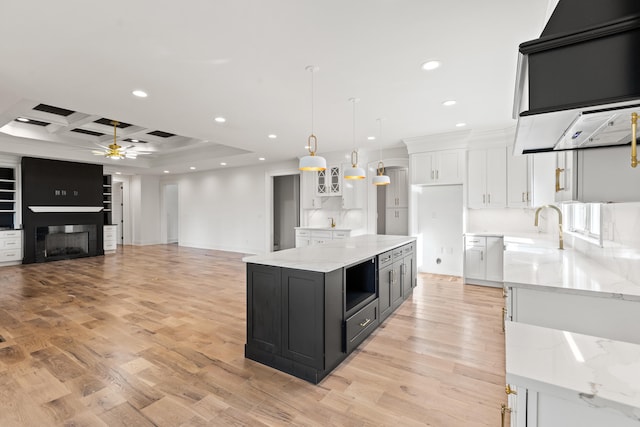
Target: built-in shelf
{"x": 106, "y": 198}
{"x": 7, "y": 197}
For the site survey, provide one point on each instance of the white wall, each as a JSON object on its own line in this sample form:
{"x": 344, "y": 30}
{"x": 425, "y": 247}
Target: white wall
{"x": 145, "y": 209}
{"x": 171, "y": 212}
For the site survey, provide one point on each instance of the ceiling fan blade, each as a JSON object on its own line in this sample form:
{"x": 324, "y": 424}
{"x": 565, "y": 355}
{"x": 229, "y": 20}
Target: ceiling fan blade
{"x": 98, "y": 153}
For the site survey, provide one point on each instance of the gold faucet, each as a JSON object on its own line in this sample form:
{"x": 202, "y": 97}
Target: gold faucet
{"x": 333, "y": 222}
{"x": 559, "y": 221}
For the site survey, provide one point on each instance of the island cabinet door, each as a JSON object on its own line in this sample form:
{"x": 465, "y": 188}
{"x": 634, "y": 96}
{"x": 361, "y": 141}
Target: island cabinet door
{"x": 384, "y": 291}
{"x": 264, "y": 299}
{"x": 303, "y": 317}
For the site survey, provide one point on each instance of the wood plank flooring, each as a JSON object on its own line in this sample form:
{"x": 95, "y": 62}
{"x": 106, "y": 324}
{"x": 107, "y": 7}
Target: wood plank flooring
{"x": 155, "y": 336}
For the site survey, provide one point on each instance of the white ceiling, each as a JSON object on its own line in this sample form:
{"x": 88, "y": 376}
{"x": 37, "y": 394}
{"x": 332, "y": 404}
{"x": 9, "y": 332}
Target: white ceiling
{"x": 245, "y": 60}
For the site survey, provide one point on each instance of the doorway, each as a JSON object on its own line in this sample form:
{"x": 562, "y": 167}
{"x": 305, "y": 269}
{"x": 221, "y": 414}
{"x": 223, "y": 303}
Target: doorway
{"x": 171, "y": 212}
{"x": 392, "y": 203}
{"x": 286, "y": 211}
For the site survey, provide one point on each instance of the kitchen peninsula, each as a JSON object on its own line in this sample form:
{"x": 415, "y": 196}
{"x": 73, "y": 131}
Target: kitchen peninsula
{"x": 309, "y": 307}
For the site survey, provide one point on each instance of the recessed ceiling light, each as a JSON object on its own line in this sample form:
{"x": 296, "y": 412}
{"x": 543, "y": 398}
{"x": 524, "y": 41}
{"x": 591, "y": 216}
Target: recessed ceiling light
{"x": 166, "y": 171}
{"x": 118, "y": 173}
{"x": 192, "y": 168}
{"x": 140, "y": 93}
{"x": 223, "y": 164}
{"x": 135, "y": 140}
{"x": 449, "y": 103}
{"x": 272, "y": 136}
{"x": 430, "y": 65}
{"x": 22, "y": 119}
{"x": 220, "y": 119}
{"x": 460, "y": 125}
{"x": 371, "y": 138}
{"x": 261, "y": 158}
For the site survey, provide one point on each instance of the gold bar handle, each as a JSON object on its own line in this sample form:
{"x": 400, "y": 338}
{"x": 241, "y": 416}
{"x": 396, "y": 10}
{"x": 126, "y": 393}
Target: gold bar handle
{"x": 634, "y": 149}
{"x": 503, "y": 410}
{"x": 558, "y": 172}
{"x": 365, "y": 323}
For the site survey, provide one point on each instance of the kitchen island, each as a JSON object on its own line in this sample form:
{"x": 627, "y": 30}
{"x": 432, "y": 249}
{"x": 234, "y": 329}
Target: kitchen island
{"x": 309, "y": 307}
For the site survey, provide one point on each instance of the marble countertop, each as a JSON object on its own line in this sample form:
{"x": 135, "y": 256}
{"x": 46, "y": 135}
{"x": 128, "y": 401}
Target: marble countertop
{"x": 536, "y": 266}
{"x": 598, "y": 371}
{"x": 332, "y": 255}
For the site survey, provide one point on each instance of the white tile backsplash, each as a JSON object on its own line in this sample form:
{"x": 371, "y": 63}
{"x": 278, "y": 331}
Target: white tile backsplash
{"x": 353, "y": 219}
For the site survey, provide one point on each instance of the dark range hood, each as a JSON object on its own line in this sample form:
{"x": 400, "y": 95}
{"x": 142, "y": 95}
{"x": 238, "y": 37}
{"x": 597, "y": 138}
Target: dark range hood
{"x": 578, "y": 84}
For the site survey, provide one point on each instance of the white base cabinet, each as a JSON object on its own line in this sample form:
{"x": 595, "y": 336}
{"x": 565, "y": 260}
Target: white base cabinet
{"x": 10, "y": 247}
{"x": 483, "y": 260}
{"x": 110, "y": 239}
{"x": 317, "y": 236}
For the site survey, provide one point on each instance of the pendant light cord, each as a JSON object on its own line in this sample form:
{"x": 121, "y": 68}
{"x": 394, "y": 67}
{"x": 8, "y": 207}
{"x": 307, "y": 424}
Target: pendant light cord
{"x": 311, "y": 68}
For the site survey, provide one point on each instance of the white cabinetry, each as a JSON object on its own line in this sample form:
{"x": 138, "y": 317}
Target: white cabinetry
{"x": 565, "y": 176}
{"x": 437, "y": 167}
{"x": 519, "y": 181}
{"x": 487, "y": 178}
{"x": 483, "y": 260}
{"x": 308, "y": 196}
{"x": 110, "y": 238}
{"x": 353, "y": 193}
{"x": 10, "y": 246}
{"x": 316, "y": 236}
{"x": 398, "y": 190}
{"x": 329, "y": 181}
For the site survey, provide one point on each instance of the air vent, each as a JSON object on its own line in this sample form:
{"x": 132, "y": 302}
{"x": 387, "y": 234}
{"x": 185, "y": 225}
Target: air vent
{"x": 33, "y": 122}
{"x": 87, "y": 132}
{"x": 53, "y": 110}
{"x": 107, "y": 122}
{"x": 135, "y": 141}
{"x": 161, "y": 134}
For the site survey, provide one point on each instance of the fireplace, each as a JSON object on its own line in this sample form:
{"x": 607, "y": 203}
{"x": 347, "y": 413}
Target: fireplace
{"x": 55, "y": 242}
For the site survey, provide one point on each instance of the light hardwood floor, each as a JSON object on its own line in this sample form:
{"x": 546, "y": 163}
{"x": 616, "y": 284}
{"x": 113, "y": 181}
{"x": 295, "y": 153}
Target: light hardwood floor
{"x": 155, "y": 336}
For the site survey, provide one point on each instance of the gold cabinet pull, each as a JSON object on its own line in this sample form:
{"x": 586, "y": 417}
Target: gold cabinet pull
{"x": 365, "y": 323}
{"x": 558, "y": 172}
{"x": 503, "y": 410}
{"x": 504, "y": 292}
{"x": 509, "y": 390}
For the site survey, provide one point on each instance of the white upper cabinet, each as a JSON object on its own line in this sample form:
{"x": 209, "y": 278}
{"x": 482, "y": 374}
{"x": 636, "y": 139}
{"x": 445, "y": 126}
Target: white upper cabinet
{"x": 308, "y": 195}
{"x": 437, "y": 167}
{"x": 398, "y": 190}
{"x": 329, "y": 181}
{"x": 519, "y": 174}
{"x": 565, "y": 184}
{"x": 487, "y": 178}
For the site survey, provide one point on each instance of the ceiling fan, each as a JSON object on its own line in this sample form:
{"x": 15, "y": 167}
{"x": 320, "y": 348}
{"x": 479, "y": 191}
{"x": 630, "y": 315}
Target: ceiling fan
{"x": 115, "y": 151}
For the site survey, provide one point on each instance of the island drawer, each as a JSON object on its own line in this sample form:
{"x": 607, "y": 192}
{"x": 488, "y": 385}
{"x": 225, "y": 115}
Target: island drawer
{"x": 384, "y": 259}
{"x": 407, "y": 249}
{"x": 397, "y": 253}
{"x": 360, "y": 325}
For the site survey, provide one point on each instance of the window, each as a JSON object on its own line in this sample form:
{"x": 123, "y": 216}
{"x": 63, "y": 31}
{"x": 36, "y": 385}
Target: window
{"x": 583, "y": 220}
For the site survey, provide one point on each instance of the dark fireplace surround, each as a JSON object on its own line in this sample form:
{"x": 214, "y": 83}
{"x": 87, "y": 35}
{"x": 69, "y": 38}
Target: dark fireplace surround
{"x": 62, "y": 191}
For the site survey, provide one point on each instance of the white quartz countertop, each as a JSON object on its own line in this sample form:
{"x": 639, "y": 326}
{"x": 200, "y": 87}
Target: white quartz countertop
{"x": 332, "y": 255}
{"x": 569, "y": 271}
{"x": 598, "y": 371}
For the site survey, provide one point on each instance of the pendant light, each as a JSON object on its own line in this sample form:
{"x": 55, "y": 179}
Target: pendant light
{"x": 354, "y": 172}
{"x": 380, "y": 178}
{"x": 312, "y": 162}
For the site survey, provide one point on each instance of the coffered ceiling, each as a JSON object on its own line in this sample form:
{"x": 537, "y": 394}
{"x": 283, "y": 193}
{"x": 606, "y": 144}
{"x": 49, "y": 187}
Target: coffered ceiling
{"x": 244, "y": 61}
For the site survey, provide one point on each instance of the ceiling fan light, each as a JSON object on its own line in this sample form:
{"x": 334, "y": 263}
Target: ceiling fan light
{"x": 312, "y": 163}
{"x": 381, "y": 180}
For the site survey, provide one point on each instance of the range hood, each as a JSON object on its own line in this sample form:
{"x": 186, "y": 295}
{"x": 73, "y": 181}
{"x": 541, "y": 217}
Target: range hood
{"x": 578, "y": 84}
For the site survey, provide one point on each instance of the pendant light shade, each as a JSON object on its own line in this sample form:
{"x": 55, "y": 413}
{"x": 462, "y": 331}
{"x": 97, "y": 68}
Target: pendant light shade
{"x": 312, "y": 162}
{"x": 380, "y": 178}
{"x": 354, "y": 172}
